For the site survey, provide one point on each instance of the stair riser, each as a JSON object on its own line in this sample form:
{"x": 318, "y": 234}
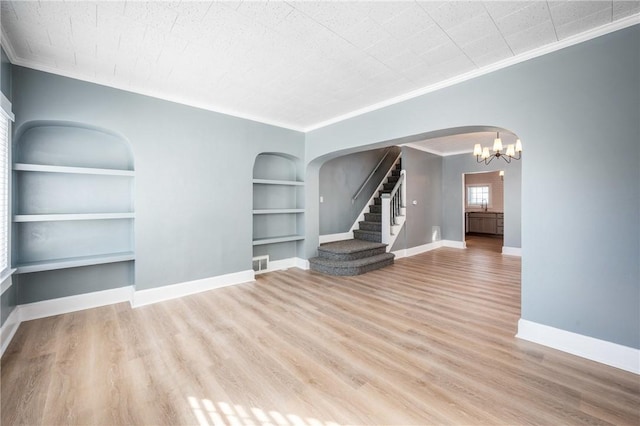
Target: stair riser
{"x": 350, "y": 271}
{"x": 395, "y": 173}
{"x": 370, "y": 226}
{"x": 367, "y": 236}
{"x": 375, "y": 209}
{"x": 350, "y": 256}
{"x": 389, "y": 186}
{"x": 377, "y": 201}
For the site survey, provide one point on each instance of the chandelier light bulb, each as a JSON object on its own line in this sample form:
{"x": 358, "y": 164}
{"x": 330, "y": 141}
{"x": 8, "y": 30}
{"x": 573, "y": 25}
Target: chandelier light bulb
{"x": 497, "y": 144}
{"x": 518, "y": 145}
{"x": 477, "y": 149}
{"x": 511, "y": 152}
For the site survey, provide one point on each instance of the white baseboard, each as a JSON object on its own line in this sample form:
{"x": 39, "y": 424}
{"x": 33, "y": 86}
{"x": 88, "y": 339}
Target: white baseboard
{"x": 512, "y": 251}
{"x": 292, "y": 262}
{"x": 174, "y": 291}
{"x": 417, "y": 250}
{"x": 454, "y": 244}
{"x": 613, "y": 354}
{"x": 329, "y": 238}
{"x": 9, "y": 328}
{"x": 301, "y": 264}
{"x": 79, "y": 302}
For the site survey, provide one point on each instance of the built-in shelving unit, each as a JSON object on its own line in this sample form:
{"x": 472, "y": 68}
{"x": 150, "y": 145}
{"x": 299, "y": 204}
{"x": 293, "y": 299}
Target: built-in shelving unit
{"x": 278, "y": 206}
{"x": 70, "y": 216}
{"x": 73, "y": 262}
{"x": 73, "y": 205}
{"x": 71, "y": 170}
{"x": 278, "y": 182}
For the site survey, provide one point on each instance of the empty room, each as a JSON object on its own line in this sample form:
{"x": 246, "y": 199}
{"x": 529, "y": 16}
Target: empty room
{"x": 319, "y": 213}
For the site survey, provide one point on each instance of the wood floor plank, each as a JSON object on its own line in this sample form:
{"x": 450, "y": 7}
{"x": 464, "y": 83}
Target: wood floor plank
{"x": 428, "y": 340}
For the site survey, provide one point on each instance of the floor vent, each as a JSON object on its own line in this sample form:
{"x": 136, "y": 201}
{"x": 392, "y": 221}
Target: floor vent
{"x": 261, "y": 264}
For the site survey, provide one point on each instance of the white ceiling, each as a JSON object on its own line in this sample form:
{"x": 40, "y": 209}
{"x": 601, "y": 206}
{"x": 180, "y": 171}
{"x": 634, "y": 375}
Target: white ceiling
{"x": 461, "y": 143}
{"x": 296, "y": 64}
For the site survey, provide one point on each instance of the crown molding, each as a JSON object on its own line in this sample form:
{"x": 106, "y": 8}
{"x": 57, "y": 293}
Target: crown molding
{"x": 549, "y": 48}
{"x": 416, "y": 145}
{"x": 570, "y": 41}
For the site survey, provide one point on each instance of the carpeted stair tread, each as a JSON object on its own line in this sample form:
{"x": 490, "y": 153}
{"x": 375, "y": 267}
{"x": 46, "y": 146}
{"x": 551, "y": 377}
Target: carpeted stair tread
{"x": 373, "y": 217}
{"x": 374, "y": 236}
{"x": 350, "y": 246}
{"x": 370, "y": 226}
{"x": 351, "y": 267}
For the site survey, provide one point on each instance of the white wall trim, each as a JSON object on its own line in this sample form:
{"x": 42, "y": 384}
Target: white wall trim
{"x": 174, "y": 291}
{"x": 6, "y": 280}
{"x": 330, "y": 238}
{"x": 549, "y": 48}
{"x": 512, "y": 251}
{"x": 613, "y": 354}
{"x": 279, "y": 265}
{"x": 416, "y": 145}
{"x": 301, "y": 263}
{"x": 412, "y": 251}
{"x": 454, "y": 244}
{"x": 78, "y": 302}
{"x": 9, "y": 328}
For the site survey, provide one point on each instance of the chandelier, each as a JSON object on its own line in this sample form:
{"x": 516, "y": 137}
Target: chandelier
{"x": 483, "y": 154}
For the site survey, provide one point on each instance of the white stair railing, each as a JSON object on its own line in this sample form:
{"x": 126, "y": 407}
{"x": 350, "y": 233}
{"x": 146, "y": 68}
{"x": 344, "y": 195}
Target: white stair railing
{"x": 392, "y": 205}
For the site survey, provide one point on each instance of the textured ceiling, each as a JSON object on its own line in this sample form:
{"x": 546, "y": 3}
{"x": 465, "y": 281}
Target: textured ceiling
{"x": 296, "y": 64}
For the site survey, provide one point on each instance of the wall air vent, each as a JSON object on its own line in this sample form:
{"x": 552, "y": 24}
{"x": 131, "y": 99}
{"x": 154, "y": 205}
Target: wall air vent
{"x": 261, "y": 264}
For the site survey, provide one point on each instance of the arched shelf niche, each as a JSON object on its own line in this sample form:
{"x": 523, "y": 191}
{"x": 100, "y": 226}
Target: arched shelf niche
{"x": 278, "y": 207}
{"x": 73, "y": 199}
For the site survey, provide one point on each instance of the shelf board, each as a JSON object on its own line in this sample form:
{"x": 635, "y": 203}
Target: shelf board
{"x": 273, "y": 240}
{"x": 278, "y": 182}
{"x": 277, "y": 211}
{"x": 23, "y": 167}
{"x": 73, "y": 262}
{"x": 70, "y": 216}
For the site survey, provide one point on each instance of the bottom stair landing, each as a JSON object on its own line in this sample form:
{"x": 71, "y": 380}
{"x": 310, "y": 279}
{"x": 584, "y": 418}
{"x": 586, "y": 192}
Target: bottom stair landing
{"x": 351, "y": 257}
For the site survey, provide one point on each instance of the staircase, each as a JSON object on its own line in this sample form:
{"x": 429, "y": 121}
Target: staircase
{"x": 365, "y": 252}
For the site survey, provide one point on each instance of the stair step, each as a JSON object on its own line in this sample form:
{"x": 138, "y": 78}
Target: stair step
{"x": 350, "y": 250}
{"x": 351, "y": 267}
{"x": 393, "y": 179}
{"x": 395, "y": 173}
{"x": 389, "y": 186}
{"x": 373, "y": 236}
{"x": 370, "y": 226}
{"x": 376, "y": 208}
{"x": 373, "y": 217}
{"x": 377, "y": 201}
{"x": 384, "y": 191}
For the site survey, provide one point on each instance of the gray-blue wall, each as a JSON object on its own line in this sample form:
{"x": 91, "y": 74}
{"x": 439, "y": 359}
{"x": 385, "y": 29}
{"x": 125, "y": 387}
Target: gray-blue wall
{"x": 452, "y": 188}
{"x": 341, "y": 178}
{"x": 424, "y": 186}
{"x": 577, "y": 112}
{"x": 5, "y": 75}
{"x": 193, "y": 183}
{"x": 8, "y": 298}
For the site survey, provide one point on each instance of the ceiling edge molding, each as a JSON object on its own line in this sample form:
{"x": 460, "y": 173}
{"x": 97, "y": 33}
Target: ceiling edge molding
{"x": 570, "y": 41}
{"x": 7, "y": 46}
{"x": 419, "y": 147}
{"x": 16, "y": 60}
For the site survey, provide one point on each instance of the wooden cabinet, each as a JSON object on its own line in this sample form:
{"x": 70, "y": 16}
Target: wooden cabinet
{"x": 485, "y": 223}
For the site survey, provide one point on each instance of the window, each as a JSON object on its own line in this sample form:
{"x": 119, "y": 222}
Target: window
{"x": 4, "y": 186}
{"x": 478, "y": 195}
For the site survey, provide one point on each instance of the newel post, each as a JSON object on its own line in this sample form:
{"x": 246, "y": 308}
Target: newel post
{"x": 386, "y": 218}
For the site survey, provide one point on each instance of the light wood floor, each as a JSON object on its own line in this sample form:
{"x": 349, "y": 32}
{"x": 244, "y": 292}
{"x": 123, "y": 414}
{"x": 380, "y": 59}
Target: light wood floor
{"x": 429, "y": 340}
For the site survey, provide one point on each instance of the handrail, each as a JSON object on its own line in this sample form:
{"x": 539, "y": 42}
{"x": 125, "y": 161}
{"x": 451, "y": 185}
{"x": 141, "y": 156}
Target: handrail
{"x": 386, "y": 153}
